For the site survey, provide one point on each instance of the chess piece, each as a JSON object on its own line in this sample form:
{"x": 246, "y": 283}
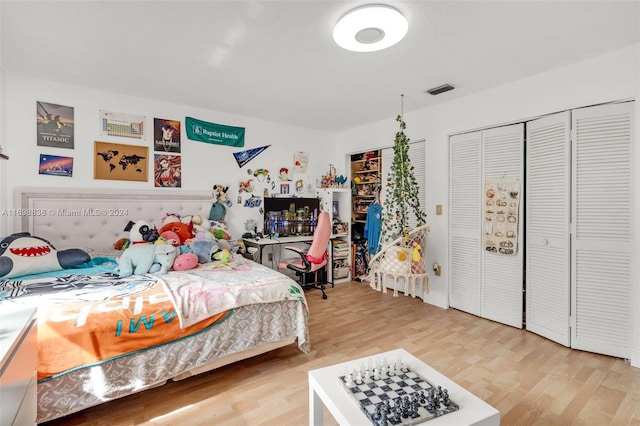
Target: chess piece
{"x": 376, "y": 374}
{"x": 445, "y": 398}
{"x": 349, "y": 380}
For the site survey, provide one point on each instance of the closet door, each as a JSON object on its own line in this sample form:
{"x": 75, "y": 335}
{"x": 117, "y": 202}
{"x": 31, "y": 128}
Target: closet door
{"x": 548, "y": 254}
{"x": 502, "y": 276}
{"x": 602, "y": 229}
{"x": 465, "y": 222}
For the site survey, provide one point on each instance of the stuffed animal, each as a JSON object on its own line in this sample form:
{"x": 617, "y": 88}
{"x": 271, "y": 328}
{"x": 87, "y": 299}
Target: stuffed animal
{"x": 170, "y": 237}
{"x": 141, "y": 231}
{"x": 182, "y": 230}
{"x": 223, "y": 256}
{"x": 219, "y": 230}
{"x": 220, "y": 202}
{"x": 24, "y": 254}
{"x": 121, "y": 244}
{"x": 141, "y": 258}
{"x": 204, "y": 249}
{"x": 185, "y": 261}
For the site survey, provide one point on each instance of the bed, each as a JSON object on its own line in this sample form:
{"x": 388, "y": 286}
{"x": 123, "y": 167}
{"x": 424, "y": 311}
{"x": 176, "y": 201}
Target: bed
{"x": 98, "y": 332}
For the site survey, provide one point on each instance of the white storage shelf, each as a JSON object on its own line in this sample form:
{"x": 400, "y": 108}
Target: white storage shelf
{"x": 337, "y": 201}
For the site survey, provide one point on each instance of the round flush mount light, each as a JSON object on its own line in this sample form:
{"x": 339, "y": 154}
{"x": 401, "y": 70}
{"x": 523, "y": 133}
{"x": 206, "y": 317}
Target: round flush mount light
{"x": 370, "y": 28}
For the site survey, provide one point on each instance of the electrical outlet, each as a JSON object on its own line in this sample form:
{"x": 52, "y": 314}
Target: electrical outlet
{"x": 270, "y": 257}
{"x": 438, "y": 209}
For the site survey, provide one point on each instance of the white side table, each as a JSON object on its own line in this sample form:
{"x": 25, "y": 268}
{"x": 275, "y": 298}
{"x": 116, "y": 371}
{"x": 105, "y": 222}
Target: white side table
{"x": 18, "y": 364}
{"x": 325, "y": 388}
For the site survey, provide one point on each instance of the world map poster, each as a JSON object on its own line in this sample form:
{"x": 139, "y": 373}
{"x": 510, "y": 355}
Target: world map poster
{"x": 115, "y": 161}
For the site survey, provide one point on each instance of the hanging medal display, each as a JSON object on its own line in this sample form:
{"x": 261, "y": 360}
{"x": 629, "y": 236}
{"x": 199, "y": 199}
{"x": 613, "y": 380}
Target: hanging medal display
{"x": 501, "y": 218}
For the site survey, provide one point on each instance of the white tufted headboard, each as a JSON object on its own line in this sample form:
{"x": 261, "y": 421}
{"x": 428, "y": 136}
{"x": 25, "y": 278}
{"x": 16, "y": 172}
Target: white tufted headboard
{"x": 96, "y": 218}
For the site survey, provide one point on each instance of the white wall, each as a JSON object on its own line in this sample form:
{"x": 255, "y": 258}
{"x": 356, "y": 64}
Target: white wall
{"x": 203, "y": 164}
{"x": 610, "y": 77}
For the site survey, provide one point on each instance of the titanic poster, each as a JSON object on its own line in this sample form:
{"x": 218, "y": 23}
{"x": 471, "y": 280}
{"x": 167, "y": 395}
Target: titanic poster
{"x": 54, "y": 125}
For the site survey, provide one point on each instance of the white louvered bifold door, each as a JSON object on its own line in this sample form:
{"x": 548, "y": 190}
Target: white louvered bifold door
{"x": 417, "y": 154}
{"x": 465, "y": 214}
{"x": 548, "y": 206}
{"x": 602, "y": 229}
{"x": 502, "y": 274}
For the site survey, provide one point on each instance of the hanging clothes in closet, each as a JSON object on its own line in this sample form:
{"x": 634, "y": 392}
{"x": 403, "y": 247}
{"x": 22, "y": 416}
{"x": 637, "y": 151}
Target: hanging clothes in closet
{"x": 372, "y": 226}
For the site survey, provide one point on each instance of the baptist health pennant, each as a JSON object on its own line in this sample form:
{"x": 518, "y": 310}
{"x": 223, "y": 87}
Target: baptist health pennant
{"x": 243, "y": 157}
{"x": 218, "y": 134}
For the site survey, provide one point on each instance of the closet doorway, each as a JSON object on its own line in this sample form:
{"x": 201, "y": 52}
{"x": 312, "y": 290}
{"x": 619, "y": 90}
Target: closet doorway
{"x": 372, "y": 168}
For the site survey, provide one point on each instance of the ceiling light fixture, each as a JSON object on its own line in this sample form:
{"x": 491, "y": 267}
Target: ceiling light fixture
{"x": 370, "y": 28}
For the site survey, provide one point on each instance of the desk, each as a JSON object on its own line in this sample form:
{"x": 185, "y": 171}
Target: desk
{"x": 324, "y": 387}
{"x": 262, "y": 242}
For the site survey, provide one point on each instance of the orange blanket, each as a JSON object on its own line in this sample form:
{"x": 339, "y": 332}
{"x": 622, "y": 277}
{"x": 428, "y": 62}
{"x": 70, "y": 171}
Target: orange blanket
{"x": 73, "y": 335}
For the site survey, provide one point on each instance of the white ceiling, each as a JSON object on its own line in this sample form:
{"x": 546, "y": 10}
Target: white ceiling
{"x": 276, "y": 60}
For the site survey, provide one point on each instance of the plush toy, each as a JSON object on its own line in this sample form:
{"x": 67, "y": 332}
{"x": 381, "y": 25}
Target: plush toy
{"x": 141, "y": 258}
{"x": 121, "y": 244}
{"x": 141, "y": 231}
{"x": 223, "y": 256}
{"x": 182, "y": 230}
{"x": 220, "y": 202}
{"x": 185, "y": 261}
{"x": 219, "y": 230}
{"x": 415, "y": 252}
{"x": 204, "y": 249}
{"x": 24, "y": 254}
{"x": 170, "y": 237}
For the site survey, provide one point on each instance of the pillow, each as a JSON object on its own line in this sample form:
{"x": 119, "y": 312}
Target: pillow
{"x": 24, "y": 254}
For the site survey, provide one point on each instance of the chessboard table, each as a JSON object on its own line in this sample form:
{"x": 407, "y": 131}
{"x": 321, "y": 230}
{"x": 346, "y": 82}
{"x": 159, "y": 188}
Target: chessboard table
{"x": 326, "y": 387}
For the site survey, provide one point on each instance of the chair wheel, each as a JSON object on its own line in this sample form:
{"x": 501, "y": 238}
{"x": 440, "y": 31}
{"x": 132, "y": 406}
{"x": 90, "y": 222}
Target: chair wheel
{"x": 324, "y": 296}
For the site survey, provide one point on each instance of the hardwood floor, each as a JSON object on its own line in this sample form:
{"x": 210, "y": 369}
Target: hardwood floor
{"x": 531, "y": 380}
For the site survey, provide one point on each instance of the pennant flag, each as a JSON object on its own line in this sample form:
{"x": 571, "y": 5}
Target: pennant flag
{"x": 243, "y": 157}
{"x": 219, "y": 134}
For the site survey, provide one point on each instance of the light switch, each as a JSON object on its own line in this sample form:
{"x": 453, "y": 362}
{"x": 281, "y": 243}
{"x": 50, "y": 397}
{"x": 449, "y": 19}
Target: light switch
{"x": 438, "y": 209}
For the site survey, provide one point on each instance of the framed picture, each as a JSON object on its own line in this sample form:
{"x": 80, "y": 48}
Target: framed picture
{"x": 284, "y": 188}
{"x": 54, "y": 125}
{"x": 115, "y": 161}
{"x": 335, "y": 212}
{"x": 55, "y": 165}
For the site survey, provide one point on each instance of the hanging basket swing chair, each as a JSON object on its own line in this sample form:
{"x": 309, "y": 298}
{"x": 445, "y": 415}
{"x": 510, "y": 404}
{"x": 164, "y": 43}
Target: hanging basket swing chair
{"x": 403, "y": 261}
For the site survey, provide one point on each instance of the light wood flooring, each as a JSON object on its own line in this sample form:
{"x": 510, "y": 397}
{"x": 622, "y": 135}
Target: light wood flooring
{"x": 531, "y": 380}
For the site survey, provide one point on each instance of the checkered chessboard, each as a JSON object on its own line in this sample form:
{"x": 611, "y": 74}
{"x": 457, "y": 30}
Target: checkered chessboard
{"x": 399, "y": 398}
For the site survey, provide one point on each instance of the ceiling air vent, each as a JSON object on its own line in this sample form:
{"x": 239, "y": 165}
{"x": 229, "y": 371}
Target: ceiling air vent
{"x": 440, "y": 89}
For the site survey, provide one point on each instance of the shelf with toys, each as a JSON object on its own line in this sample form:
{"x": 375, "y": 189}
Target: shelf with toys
{"x": 366, "y": 180}
{"x": 335, "y": 200}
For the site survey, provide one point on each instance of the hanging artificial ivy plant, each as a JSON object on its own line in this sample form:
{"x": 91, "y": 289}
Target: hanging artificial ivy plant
{"x": 401, "y": 200}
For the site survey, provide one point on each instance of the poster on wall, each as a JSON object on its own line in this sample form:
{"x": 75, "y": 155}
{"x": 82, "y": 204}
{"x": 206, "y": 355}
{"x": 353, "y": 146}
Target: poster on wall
{"x": 114, "y": 161}
{"x": 166, "y": 135}
{"x": 54, "y": 125}
{"x": 167, "y": 171}
{"x": 55, "y": 165}
{"x": 300, "y": 162}
{"x": 501, "y": 218}
{"x": 122, "y": 125}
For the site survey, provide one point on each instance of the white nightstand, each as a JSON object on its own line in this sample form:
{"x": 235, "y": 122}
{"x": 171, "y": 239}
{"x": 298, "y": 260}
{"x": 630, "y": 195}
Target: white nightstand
{"x": 18, "y": 364}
